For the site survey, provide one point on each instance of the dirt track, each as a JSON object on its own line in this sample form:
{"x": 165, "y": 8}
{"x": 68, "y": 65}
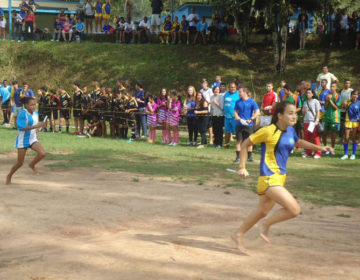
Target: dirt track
{"x": 89, "y": 224}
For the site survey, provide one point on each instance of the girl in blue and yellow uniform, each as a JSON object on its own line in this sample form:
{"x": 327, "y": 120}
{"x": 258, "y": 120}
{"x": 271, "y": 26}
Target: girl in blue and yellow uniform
{"x": 98, "y": 15}
{"x": 277, "y": 141}
{"x": 166, "y": 31}
{"x": 352, "y": 118}
{"x": 106, "y": 9}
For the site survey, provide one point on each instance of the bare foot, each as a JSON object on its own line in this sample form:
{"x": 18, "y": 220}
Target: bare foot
{"x": 8, "y": 180}
{"x": 237, "y": 238}
{"x": 265, "y": 233}
{"x": 34, "y": 169}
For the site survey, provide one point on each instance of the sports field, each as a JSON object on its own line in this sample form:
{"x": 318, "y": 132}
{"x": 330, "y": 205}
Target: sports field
{"x": 108, "y": 209}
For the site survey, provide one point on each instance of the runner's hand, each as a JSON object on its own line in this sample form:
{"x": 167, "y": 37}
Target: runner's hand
{"x": 243, "y": 173}
{"x": 328, "y": 149}
{"x": 41, "y": 124}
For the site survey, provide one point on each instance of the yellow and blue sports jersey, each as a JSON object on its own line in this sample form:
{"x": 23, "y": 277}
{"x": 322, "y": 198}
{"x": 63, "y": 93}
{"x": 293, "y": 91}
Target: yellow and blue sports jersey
{"x": 276, "y": 146}
{"x": 167, "y": 26}
{"x": 106, "y": 8}
{"x": 98, "y": 7}
{"x": 353, "y": 111}
{"x": 175, "y": 26}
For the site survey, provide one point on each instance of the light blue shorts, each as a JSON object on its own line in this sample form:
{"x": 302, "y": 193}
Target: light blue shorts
{"x": 17, "y": 111}
{"x": 230, "y": 125}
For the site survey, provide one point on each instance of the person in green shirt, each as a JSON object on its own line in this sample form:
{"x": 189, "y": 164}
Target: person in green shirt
{"x": 332, "y": 115}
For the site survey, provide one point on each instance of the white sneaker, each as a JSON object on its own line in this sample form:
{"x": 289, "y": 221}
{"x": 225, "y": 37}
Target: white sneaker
{"x": 171, "y": 144}
{"x": 305, "y": 156}
{"x": 317, "y": 157}
{"x": 344, "y": 157}
{"x": 194, "y": 143}
{"x": 352, "y": 157}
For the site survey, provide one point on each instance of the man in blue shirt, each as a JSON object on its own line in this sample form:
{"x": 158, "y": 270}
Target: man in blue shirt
{"x": 201, "y": 28}
{"x": 5, "y": 104}
{"x": 140, "y": 117}
{"x": 230, "y": 99}
{"x": 246, "y": 111}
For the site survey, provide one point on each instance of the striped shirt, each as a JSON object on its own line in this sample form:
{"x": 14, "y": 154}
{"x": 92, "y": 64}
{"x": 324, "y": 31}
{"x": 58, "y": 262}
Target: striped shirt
{"x": 26, "y": 138}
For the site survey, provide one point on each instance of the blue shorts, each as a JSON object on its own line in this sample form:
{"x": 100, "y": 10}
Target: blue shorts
{"x": 230, "y": 125}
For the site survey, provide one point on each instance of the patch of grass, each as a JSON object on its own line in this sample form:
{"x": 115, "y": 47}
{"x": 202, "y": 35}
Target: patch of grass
{"x": 343, "y": 215}
{"x": 170, "y": 66}
{"x": 328, "y": 181}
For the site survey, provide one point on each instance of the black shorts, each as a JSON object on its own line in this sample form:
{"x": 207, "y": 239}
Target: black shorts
{"x": 109, "y": 118}
{"x": 131, "y": 123}
{"x": 192, "y": 29}
{"x": 243, "y": 132}
{"x": 77, "y": 113}
{"x": 209, "y": 125}
{"x": 43, "y": 114}
{"x": 86, "y": 117}
{"x": 89, "y": 17}
{"x": 6, "y": 104}
{"x": 65, "y": 114}
{"x": 121, "y": 120}
{"x": 54, "y": 113}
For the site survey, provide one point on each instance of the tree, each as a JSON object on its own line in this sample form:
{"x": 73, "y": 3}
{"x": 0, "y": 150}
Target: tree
{"x": 241, "y": 11}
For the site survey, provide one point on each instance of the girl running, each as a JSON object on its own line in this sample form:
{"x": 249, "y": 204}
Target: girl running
{"x": 174, "y": 107}
{"x": 277, "y": 140}
{"x": 162, "y": 113}
{"x": 27, "y": 125}
{"x": 151, "y": 109}
{"x": 352, "y": 107}
{"x": 189, "y": 111}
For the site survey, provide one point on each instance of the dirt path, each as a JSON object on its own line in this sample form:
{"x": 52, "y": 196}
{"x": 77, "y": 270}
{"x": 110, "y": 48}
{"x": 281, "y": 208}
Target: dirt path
{"x": 89, "y": 224}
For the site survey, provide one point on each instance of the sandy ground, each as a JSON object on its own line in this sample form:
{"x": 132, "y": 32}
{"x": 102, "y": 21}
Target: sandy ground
{"x": 93, "y": 224}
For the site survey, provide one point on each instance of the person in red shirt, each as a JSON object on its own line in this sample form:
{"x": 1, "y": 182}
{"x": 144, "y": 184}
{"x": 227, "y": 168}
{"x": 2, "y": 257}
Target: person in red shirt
{"x": 267, "y": 106}
{"x": 29, "y": 24}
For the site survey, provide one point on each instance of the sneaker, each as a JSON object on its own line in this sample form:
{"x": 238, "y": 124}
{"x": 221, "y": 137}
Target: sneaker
{"x": 81, "y": 135}
{"x": 175, "y": 144}
{"x": 327, "y": 153}
{"x": 142, "y": 136}
{"x": 317, "y": 157}
{"x": 352, "y": 157}
{"x": 237, "y": 160}
{"x": 194, "y": 144}
{"x": 19, "y": 41}
{"x": 88, "y": 134}
{"x": 187, "y": 43}
{"x": 171, "y": 144}
{"x": 250, "y": 159}
{"x": 130, "y": 140}
{"x": 218, "y": 147}
{"x": 190, "y": 143}
{"x": 344, "y": 157}
{"x": 6, "y": 125}
{"x": 305, "y": 156}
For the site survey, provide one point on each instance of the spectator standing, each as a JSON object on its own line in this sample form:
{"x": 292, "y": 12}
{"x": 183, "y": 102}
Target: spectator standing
{"x": 157, "y": 7}
{"x": 18, "y": 22}
{"x": 89, "y": 15}
{"x": 344, "y": 26}
{"x": 140, "y": 117}
{"x": 201, "y": 113}
{"x": 106, "y": 10}
{"x": 311, "y": 111}
{"x": 189, "y": 107}
{"x": 269, "y": 101}
{"x": 29, "y": 25}
{"x": 327, "y": 76}
{"x": 62, "y": 16}
{"x": 302, "y": 28}
{"x": 230, "y": 99}
{"x": 98, "y": 15}
{"x": 246, "y": 111}
{"x": 357, "y": 31}
{"x": 345, "y": 93}
{"x": 217, "y": 115}
{"x": 2, "y": 26}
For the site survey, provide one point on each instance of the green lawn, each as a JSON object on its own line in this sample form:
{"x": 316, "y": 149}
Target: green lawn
{"x": 328, "y": 181}
{"x": 157, "y": 66}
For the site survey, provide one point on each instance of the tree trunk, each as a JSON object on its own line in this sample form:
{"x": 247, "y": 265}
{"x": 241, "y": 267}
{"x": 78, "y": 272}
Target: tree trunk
{"x": 242, "y": 20}
{"x": 279, "y": 42}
